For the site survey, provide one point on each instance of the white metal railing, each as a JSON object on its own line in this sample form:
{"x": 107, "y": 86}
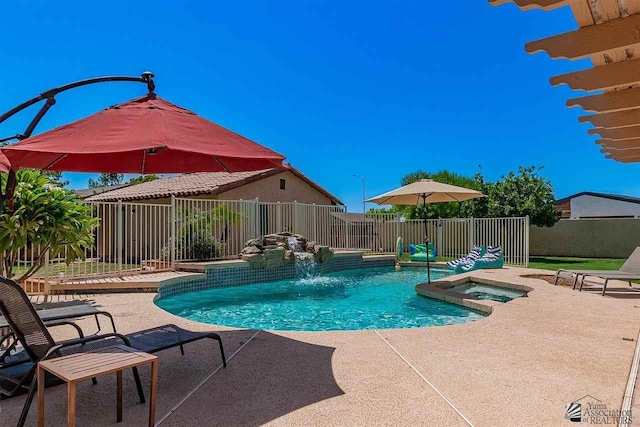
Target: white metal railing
{"x": 138, "y": 237}
{"x": 452, "y": 237}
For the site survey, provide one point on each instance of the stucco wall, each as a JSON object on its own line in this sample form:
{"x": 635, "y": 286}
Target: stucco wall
{"x": 268, "y": 190}
{"x": 592, "y": 207}
{"x": 590, "y": 238}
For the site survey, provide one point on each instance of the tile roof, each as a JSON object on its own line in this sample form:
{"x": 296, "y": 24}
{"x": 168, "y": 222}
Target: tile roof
{"x": 88, "y": 192}
{"x": 193, "y": 184}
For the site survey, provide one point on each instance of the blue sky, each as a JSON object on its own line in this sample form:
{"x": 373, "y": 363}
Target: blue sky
{"x": 373, "y": 88}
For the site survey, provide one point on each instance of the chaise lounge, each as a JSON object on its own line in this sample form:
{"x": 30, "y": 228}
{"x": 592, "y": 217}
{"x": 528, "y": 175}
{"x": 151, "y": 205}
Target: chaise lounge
{"x": 37, "y": 343}
{"x": 629, "y": 271}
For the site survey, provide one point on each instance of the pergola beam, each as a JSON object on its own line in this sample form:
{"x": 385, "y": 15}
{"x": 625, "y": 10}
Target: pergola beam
{"x": 633, "y": 159}
{"x": 624, "y": 73}
{"x": 591, "y": 40}
{"x": 616, "y": 119}
{"x": 628, "y": 144}
{"x": 621, "y": 154}
{"x": 608, "y": 102}
{"x": 532, "y": 4}
{"x": 618, "y": 134}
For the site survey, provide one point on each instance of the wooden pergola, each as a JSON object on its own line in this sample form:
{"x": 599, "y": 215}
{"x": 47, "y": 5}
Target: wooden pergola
{"x": 609, "y": 35}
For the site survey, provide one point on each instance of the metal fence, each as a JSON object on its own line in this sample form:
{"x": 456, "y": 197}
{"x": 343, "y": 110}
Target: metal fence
{"x": 140, "y": 237}
{"x": 452, "y": 237}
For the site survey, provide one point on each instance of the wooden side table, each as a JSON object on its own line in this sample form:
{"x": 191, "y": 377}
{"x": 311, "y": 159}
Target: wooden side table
{"x": 84, "y": 366}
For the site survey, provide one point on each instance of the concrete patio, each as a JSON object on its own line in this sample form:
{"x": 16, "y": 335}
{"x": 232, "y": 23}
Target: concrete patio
{"x": 519, "y": 366}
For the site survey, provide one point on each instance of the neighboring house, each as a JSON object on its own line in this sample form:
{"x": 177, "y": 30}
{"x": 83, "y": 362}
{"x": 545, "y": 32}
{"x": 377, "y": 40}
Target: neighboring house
{"x": 588, "y": 204}
{"x": 144, "y": 217}
{"x": 88, "y": 192}
{"x": 285, "y": 184}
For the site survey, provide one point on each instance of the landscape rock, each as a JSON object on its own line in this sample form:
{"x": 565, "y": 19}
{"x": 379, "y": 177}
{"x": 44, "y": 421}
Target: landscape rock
{"x": 323, "y": 254}
{"x": 274, "y": 258}
{"x": 311, "y": 247}
{"x": 255, "y": 260}
{"x": 272, "y": 250}
{"x": 254, "y": 242}
{"x": 251, "y": 250}
{"x": 289, "y": 257}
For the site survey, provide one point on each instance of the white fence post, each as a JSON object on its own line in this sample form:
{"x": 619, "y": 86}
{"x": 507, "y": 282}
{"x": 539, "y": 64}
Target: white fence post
{"x": 526, "y": 241}
{"x": 173, "y": 233}
{"x": 314, "y": 223}
{"x": 440, "y": 237}
{"x": 257, "y": 222}
{"x": 346, "y": 228}
{"x": 279, "y": 228}
{"x": 295, "y": 216}
{"x": 47, "y": 289}
{"x": 120, "y": 237}
{"x": 472, "y": 232}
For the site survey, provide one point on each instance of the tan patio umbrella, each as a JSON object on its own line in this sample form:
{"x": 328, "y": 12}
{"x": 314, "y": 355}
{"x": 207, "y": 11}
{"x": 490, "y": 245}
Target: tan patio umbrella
{"x": 426, "y": 191}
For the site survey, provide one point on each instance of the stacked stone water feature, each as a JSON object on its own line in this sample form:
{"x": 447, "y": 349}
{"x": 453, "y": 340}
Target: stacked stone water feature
{"x": 275, "y": 250}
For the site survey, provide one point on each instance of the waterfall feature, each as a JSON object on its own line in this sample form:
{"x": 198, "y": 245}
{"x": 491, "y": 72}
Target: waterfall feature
{"x": 305, "y": 262}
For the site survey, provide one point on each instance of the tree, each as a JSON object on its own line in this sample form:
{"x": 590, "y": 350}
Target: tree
{"x": 45, "y": 218}
{"x": 525, "y": 193}
{"x": 107, "y": 180}
{"x": 142, "y": 178}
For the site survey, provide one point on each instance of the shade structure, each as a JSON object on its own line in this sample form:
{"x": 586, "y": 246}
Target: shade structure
{"x": 4, "y": 163}
{"x": 607, "y": 35}
{"x": 426, "y": 191}
{"x": 145, "y": 135}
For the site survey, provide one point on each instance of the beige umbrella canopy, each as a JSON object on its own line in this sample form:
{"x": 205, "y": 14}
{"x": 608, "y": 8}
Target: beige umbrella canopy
{"x": 426, "y": 191}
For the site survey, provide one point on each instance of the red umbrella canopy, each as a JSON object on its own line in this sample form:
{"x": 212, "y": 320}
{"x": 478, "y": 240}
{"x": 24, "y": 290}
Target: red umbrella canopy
{"x": 145, "y": 135}
{"x": 4, "y": 163}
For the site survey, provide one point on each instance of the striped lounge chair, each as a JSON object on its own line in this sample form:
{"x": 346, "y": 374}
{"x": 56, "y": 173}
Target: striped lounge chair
{"x": 475, "y": 254}
{"x": 494, "y": 258}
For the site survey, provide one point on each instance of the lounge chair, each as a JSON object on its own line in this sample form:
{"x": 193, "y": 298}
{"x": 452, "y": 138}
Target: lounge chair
{"x": 38, "y": 344}
{"x": 475, "y": 253}
{"x": 419, "y": 252}
{"x": 494, "y": 258}
{"x": 629, "y": 271}
{"x": 54, "y": 317}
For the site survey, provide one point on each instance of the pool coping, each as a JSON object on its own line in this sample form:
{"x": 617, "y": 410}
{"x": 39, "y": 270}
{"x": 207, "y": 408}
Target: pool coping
{"x": 439, "y": 289}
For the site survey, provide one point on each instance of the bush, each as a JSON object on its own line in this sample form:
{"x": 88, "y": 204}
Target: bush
{"x": 204, "y": 246}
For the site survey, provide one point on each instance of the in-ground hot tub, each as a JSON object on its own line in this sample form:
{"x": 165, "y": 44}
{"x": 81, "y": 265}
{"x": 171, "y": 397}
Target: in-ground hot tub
{"x": 477, "y": 293}
{"x": 488, "y": 292}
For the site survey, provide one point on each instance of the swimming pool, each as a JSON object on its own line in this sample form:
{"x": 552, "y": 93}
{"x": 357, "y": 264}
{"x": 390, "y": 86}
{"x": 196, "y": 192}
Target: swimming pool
{"x": 372, "y": 298}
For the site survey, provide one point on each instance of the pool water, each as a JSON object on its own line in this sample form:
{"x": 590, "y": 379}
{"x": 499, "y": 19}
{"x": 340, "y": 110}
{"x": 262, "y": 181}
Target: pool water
{"x": 373, "y": 298}
{"x": 482, "y": 291}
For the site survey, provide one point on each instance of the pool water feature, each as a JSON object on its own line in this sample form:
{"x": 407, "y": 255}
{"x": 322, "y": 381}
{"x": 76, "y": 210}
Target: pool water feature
{"x": 305, "y": 262}
{"x": 488, "y": 292}
{"x": 370, "y": 298}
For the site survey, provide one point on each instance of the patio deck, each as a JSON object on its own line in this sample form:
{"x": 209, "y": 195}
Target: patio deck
{"x": 519, "y": 366}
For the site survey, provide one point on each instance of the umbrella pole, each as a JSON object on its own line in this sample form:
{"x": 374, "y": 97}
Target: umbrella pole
{"x": 426, "y": 236}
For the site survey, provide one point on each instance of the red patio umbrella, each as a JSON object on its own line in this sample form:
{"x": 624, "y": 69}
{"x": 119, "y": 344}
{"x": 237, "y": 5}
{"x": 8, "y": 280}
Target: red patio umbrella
{"x": 145, "y": 135}
{"x": 4, "y": 163}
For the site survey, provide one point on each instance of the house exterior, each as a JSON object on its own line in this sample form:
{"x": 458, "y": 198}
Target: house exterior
{"x": 589, "y": 204}
{"x": 285, "y": 184}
